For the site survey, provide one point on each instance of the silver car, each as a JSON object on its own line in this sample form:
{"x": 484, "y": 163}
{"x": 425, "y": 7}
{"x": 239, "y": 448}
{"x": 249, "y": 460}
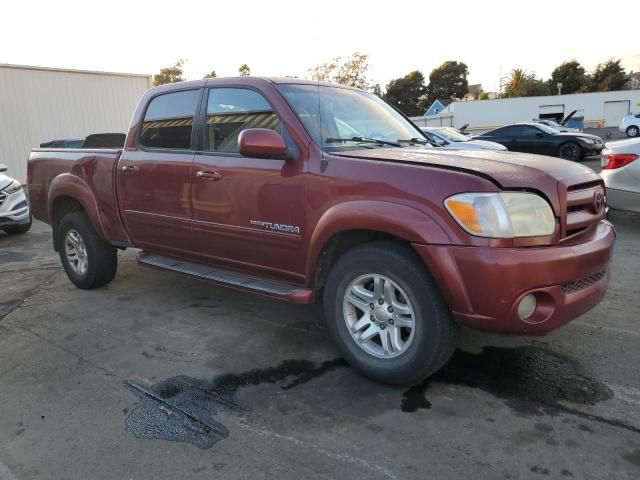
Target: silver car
{"x": 621, "y": 174}
{"x": 15, "y": 213}
{"x": 448, "y": 137}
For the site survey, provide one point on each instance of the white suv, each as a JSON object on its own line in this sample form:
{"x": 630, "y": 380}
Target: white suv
{"x": 631, "y": 125}
{"x": 15, "y": 213}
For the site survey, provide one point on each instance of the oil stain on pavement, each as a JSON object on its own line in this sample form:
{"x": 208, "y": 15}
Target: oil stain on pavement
{"x": 186, "y": 409}
{"x": 529, "y": 378}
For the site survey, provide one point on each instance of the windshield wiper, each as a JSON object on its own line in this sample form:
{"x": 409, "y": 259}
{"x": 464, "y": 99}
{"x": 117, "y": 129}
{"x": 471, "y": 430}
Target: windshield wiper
{"x": 419, "y": 141}
{"x": 363, "y": 140}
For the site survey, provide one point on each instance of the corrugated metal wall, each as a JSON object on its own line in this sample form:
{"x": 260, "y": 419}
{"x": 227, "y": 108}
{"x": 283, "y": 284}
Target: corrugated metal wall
{"x": 39, "y": 105}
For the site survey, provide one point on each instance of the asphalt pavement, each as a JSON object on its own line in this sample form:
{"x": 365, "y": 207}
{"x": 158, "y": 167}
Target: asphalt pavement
{"x": 158, "y": 376}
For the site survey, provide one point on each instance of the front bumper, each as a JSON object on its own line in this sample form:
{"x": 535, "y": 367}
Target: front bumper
{"x": 592, "y": 149}
{"x": 483, "y": 286}
{"x": 14, "y": 209}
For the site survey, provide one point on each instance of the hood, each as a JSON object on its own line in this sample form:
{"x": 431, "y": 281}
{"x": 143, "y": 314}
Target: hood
{"x": 507, "y": 169}
{"x": 577, "y": 134}
{"x": 5, "y": 180}
{"x": 568, "y": 117}
{"x": 485, "y": 145}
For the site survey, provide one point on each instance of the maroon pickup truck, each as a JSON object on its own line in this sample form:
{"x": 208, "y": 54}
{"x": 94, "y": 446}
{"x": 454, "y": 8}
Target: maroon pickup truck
{"x": 304, "y": 191}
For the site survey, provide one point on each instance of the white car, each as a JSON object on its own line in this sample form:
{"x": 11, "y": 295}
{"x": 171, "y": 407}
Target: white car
{"x": 621, "y": 174}
{"x": 448, "y": 137}
{"x": 631, "y": 125}
{"x": 15, "y": 213}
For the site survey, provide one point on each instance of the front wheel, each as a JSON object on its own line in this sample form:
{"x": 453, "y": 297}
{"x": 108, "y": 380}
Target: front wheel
{"x": 570, "y": 151}
{"x": 387, "y": 314}
{"x": 89, "y": 261}
{"x": 633, "y": 131}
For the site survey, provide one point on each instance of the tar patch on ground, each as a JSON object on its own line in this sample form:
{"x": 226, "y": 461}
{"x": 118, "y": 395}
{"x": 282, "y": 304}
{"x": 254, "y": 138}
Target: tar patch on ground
{"x": 186, "y": 409}
{"x": 531, "y": 379}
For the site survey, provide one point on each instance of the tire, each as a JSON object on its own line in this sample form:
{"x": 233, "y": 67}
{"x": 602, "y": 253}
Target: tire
{"x": 95, "y": 261}
{"x": 427, "y": 346}
{"x": 570, "y": 151}
{"x": 633, "y": 131}
{"x": 18, "y": 229}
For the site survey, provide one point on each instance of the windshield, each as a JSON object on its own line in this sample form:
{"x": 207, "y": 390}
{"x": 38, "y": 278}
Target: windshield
{"x": 341, "y": 118}
{"x": 451, "y": 134}
{"x": 547, "y": 128}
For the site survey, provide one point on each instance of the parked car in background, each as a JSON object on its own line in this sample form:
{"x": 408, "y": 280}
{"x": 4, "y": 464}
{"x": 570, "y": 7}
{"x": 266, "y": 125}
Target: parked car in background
{"x": 631, "y": 125}
{"x": 562, "y": 126}
{"x": 543, "y": 140}
{"x": 449, "y": 137}
{"x": 15, "y": 213}
{"x": 242, "y": 183}
{"x": 621, "y": 174}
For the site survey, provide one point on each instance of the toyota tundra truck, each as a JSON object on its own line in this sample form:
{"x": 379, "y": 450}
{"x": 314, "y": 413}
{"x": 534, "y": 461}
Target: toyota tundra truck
{"x": 306, "y": 191}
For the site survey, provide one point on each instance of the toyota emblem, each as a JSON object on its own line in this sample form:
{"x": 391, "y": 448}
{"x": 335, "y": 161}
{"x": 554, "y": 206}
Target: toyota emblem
{"x": 598, "y": 202}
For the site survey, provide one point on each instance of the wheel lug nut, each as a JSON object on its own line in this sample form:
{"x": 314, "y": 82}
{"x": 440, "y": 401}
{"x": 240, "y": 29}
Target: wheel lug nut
{"x": 371, "y": 306}
{"x": 380, "y": 301}
{"x": 390, "y": 309}
{"x": 382, "y": 327}
{"x": 371, "y": 318}
{"x": 391, "y": 321}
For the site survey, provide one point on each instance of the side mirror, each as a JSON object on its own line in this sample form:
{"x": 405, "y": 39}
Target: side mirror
{"x": 539, "y": 135}
{"x": 3, "y": 168}
{"x": 261, "y": 143}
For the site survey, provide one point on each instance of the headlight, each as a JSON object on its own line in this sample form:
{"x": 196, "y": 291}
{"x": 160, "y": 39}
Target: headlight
{"x": 13, "y": 187}
{"x": 502, "y": 215}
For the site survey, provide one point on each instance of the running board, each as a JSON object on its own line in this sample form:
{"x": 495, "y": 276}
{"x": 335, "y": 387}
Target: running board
{"x": 227, "y": 278}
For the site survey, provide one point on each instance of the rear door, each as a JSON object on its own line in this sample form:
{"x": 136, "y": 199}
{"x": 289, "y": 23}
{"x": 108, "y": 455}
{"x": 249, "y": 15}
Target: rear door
{"x": 154, "y": 179}
{"x": 248, "y": 213}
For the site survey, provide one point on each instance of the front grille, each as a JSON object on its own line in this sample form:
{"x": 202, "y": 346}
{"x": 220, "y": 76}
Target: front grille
{"x": 3, "y": 197}
{"x": 585, "y": 206}
{"x": 576, "y": 285}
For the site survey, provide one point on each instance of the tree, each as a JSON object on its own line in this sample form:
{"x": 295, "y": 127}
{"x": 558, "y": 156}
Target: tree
{"x": 608, "y": 76}
{"x": 483, "y": 96}
{"x": 244, "y": 70}
{"x": 522, "y": 84}
{"x": 351, "y": 72}
{"x": 407, "y": 94}
{"x": 169, "y": 74}
{"x": 376, "y": 90}
{"x": 211, "y": 74}
{"x": 571, "y": 74}
{"x": 449, "y": 80}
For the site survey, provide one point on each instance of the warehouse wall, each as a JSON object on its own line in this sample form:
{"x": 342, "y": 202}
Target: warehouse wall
{"x": 595, "y": 107}
{"x": 39, "y": 104}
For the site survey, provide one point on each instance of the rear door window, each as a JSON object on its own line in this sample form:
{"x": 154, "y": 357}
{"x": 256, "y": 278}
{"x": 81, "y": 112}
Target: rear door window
{"x": 168, "y": 121}
{"x": 232, "y": 110}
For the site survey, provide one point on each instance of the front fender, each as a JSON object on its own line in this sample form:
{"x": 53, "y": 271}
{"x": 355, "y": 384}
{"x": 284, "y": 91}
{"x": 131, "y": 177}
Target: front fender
{"x": 72, "y": 186}
{"x": 399, "y": 220}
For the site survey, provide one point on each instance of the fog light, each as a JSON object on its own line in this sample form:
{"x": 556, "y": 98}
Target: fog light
{"x": 527, "y": 306}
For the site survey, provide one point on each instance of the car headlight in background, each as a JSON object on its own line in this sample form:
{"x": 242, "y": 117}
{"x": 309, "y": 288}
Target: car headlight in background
{"x": 13, "y": 187}
{"x": 502, "y": 215}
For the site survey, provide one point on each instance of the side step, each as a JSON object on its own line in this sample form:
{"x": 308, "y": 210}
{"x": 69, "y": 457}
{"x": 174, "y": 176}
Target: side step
{"x": 227, "y": 278}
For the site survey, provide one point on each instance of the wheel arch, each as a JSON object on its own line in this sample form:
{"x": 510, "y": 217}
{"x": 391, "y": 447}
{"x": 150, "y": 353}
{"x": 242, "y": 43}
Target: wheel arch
{"x": 350, "y": 224}
{"x": 69, "y": 193}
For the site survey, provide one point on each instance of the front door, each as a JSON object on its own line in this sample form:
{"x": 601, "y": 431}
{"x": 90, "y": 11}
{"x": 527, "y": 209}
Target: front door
{"x": 248, "y": 213}
{"x": 154, "y": 180}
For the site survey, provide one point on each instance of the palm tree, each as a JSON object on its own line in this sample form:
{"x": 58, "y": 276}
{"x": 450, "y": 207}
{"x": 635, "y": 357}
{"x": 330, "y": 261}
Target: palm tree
{"x": 516, "y": 82}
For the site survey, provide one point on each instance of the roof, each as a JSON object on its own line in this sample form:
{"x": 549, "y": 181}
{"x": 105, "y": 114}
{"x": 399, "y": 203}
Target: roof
{"x": 445, "y": 101}
{"x": 71, "y": 70}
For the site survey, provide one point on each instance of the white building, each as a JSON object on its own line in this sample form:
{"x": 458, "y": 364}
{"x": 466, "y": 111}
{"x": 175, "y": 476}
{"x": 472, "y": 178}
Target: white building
{"x": 600, "y": 109}
{"x": 39, "y": 104}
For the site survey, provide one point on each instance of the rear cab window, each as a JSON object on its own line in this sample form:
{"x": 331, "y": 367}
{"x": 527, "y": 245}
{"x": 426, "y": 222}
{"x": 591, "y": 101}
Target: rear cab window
{"x": 168, "y": 121}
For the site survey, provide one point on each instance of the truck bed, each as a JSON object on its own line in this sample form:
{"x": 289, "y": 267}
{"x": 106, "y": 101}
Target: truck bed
{"x": 95, "y": 167}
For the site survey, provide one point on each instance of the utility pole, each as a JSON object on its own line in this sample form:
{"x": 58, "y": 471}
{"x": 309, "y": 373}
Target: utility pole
{"x": 559, "y": 88}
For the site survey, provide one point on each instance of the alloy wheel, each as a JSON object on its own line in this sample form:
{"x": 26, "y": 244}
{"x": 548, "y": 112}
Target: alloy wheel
{"x": 76, "y": 252}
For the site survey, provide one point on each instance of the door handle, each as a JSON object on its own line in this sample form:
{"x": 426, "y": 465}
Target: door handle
{"x": 213, "y": 176}
{"x": 129, "y": 168}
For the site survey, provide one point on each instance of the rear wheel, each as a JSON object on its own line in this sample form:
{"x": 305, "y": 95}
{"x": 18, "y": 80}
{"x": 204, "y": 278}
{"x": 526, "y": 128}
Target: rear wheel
{"x": 89, "y": 261}
{"x": 387, "y": 315}
{"x": 633, "y": 131}
{"x": 570, "y": 151}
